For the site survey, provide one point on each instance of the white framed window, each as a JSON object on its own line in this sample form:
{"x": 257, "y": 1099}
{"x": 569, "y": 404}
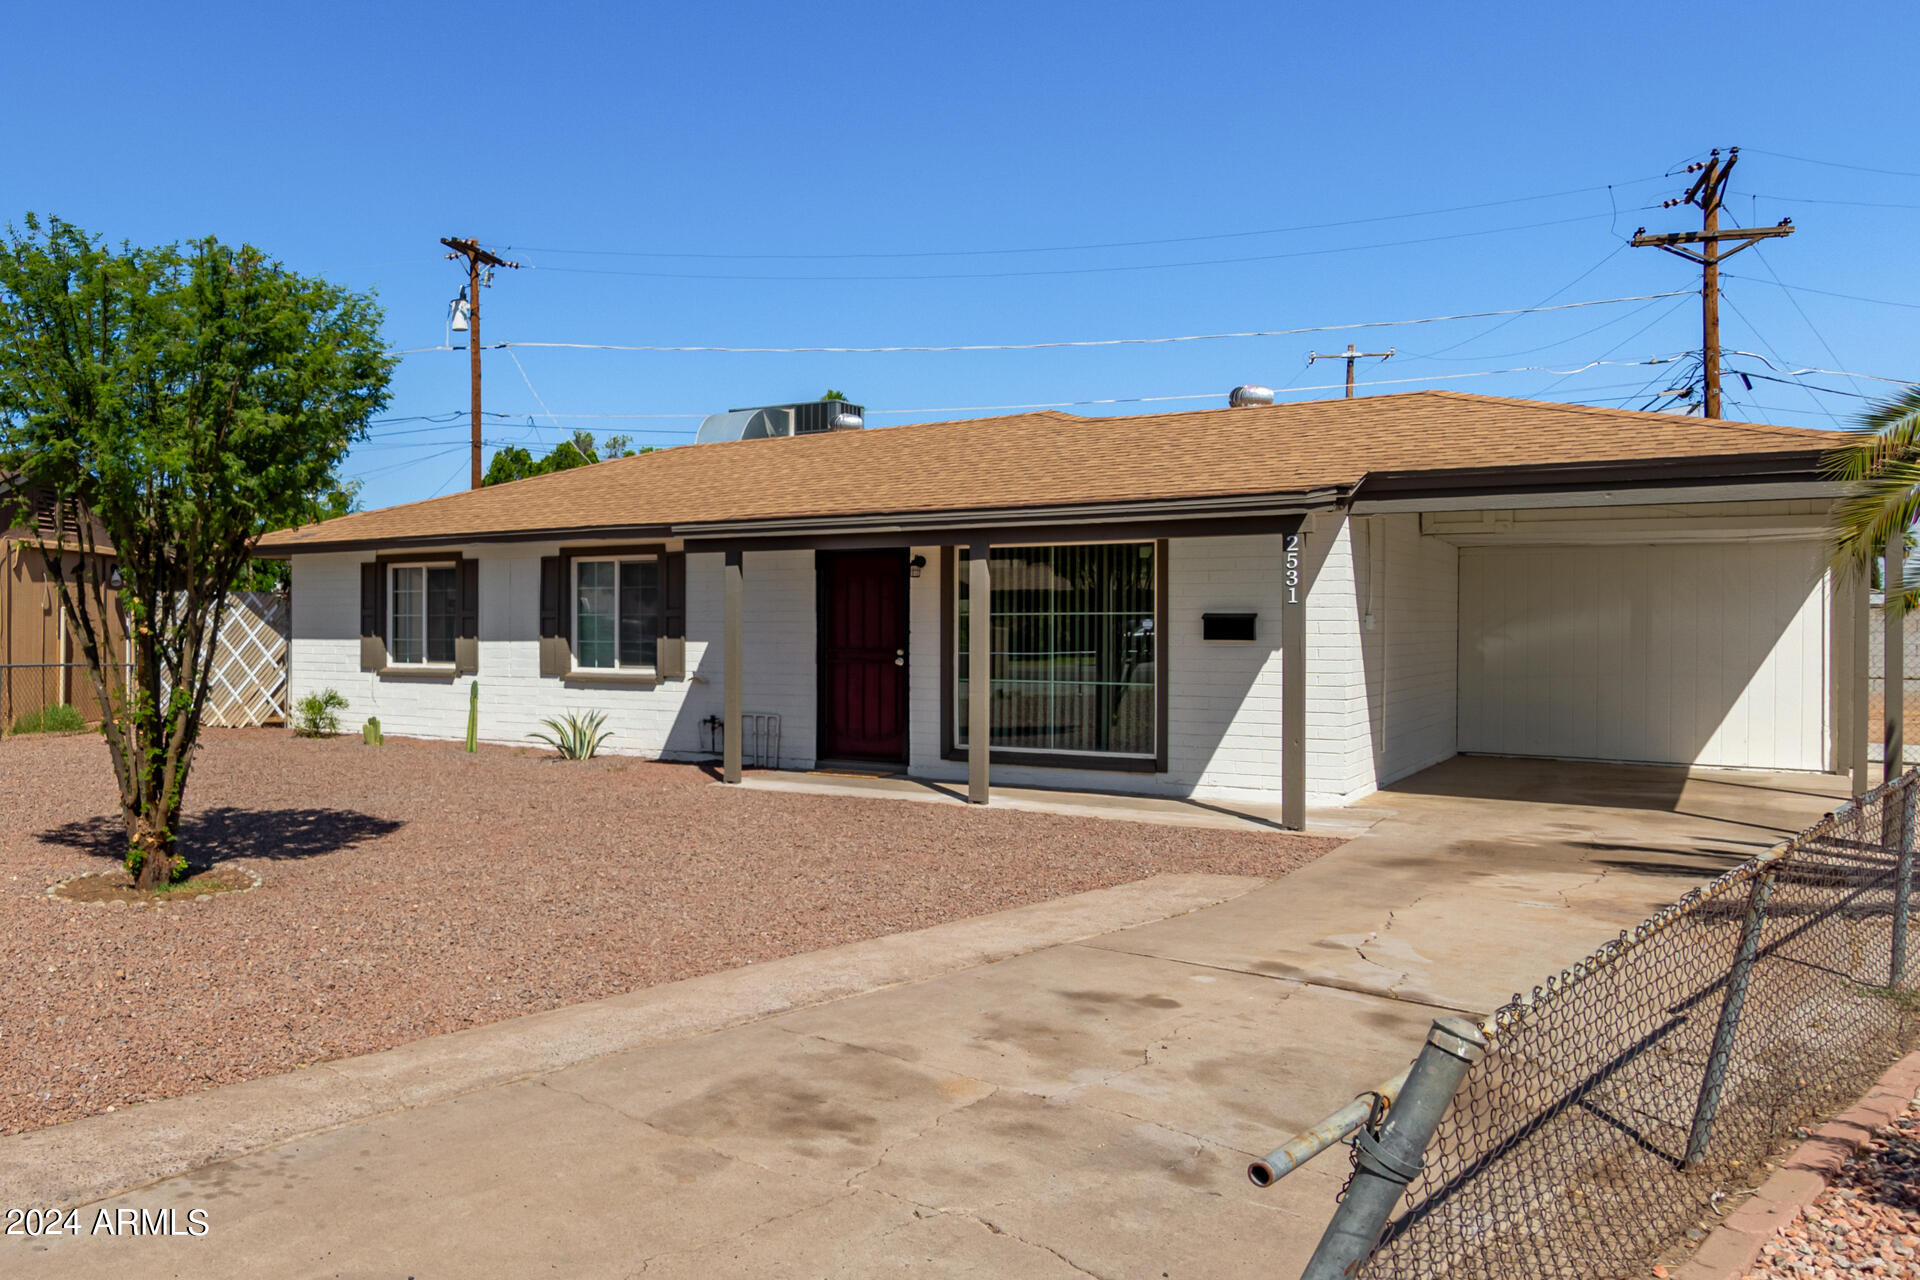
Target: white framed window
{"x": 1072, "y": 654}
{"x": 618, "y": 611}
{"x": 423, "y": 604}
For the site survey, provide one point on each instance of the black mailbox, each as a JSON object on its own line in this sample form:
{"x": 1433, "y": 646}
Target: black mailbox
{"x": 1227, "y": 626}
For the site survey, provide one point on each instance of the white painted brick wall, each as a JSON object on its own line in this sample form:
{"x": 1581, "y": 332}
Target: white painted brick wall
{"x": 662, "y": 720}
{"x": 1224, "y": 698}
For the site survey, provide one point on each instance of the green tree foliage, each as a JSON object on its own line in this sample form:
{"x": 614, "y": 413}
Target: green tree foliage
{"x": 272, "y": 575}
{"x": 1882, "y": 464}
{"x": 187, "y": 399}
{"x": 833, "y": 395}
{"x": 515, "y": 463}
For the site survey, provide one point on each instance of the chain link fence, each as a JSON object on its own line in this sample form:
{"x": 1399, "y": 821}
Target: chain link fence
{"x": 36, "y": 697}
{"x": 1877, "y": 683}
{"x": 1622, "y": 1099}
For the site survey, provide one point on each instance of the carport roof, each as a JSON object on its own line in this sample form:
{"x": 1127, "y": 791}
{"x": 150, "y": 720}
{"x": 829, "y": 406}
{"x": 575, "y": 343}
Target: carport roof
{"x": 1051, "y": 460}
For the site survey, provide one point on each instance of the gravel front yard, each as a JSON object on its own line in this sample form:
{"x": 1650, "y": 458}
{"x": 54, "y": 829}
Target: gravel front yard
{"x": 411, "y": 889}
{"x": 1867, "y": 1223}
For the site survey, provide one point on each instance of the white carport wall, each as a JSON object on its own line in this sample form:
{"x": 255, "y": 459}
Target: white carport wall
{"x": 1698, "y": 633}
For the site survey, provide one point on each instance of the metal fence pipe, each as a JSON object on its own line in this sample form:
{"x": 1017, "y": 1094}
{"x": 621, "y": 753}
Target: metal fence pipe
{"x": 1721, "y": 1054}
{"x": 1330, "y": 1132}
{"x": 1902, "y": 882}
{"x": 1386, "y": 1164}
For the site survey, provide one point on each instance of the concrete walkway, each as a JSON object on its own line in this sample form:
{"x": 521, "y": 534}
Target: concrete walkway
{"x": 995, "y": 1101}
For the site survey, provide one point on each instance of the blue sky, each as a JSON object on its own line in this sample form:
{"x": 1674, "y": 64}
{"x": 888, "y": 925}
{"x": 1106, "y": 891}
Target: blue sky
{"x": 789, "y": 141}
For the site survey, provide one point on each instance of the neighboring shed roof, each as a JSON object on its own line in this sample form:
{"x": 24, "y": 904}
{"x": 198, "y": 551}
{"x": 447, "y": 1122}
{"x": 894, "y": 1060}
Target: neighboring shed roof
{"x": 1050, "y": 459}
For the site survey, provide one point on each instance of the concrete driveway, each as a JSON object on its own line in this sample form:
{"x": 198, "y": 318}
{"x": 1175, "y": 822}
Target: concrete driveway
{"x": 1066, "y": 1090}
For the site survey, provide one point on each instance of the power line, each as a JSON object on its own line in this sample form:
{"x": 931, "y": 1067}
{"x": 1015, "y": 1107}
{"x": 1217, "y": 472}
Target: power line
{"x": 1330, "y": 386}
{"x": 1092, "y": 342}
{"x": 1828, "y": 293}
{"x": 1071, "y": 248}
{"x": 1075, "y": 271}
{"x": 1835, "y": 164}
{"x": 1852, "y": 204}
{"x": 1837, "y": 373}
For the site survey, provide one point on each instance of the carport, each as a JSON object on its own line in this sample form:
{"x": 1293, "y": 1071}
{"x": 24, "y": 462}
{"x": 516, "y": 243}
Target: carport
{"x": 1668, "y": 621}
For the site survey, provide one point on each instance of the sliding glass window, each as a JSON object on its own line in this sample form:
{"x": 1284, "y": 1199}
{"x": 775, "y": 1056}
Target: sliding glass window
{"x": 1071, "y": 654}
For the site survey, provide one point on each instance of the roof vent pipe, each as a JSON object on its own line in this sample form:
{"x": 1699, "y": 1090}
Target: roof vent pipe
{"x": 1246, "y": 397}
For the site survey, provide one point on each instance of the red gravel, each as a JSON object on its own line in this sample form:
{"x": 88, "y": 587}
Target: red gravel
{"x": 1867, "y": 1223}
{"x": 413, "y": 889}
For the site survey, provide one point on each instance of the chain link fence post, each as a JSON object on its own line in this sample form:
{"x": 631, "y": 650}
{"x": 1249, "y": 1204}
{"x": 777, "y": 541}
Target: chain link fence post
{"x": 1385, "y": 1165}
{"x": 1902, "y": 881}
{"x": 1721, "y": 1054}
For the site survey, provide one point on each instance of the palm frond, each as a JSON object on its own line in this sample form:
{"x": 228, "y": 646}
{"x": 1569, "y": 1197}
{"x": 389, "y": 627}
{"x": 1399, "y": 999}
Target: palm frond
{"x": 1881, "y": 462}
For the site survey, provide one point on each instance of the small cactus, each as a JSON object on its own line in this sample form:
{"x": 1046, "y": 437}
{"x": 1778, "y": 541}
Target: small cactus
{"x": 473, "y": 717}
{"x": 371, "y": 732}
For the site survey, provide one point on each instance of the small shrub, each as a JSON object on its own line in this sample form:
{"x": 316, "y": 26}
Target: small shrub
{"x": 576, "y": 735}
{"x": 318, "y": 714}
{"x": 58, "y": 718}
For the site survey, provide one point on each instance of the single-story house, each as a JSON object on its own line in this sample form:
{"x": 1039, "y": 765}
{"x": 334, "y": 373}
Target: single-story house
{"x": 1299, "y": 602}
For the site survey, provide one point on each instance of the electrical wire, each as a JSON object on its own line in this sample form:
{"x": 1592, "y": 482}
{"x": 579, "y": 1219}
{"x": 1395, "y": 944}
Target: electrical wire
{"x": 1100, "y": 342}
{"x": 1614, "y": 253}
{"x": 1804, "y": 317}
{"x": 1068, "y": 248}
{"x": 1329, "y": 386}
{"x": 1837, "y": 373}
{"x": 1819, "y": 404}
{"x": 1073, "y": 271}
{"x": 1834, "y": 164}
{"x": 1825, "y": 293}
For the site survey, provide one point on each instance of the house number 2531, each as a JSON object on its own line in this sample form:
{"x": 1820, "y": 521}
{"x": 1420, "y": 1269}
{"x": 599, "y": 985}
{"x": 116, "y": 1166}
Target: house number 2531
{"x": 1293, "y": 568}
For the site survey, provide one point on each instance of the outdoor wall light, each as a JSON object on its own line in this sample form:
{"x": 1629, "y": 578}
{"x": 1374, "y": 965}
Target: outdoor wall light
{"x": 915, "y": 565}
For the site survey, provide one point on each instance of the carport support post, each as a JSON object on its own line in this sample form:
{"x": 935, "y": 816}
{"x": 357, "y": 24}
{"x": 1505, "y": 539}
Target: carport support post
{"x": 734, "y": 590}
{"x": 1384, "y": 1166}
{"x": 1293, "y": 683}
{"x": 979, "y": 671}
{"x": 1721, "y": 1054}
{"x": 1893, "y": 685}
{"x": 1857, "y": 726}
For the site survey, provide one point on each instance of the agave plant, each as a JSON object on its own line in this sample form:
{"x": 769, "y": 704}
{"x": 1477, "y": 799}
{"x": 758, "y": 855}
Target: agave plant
{"x": 576, "y": 735}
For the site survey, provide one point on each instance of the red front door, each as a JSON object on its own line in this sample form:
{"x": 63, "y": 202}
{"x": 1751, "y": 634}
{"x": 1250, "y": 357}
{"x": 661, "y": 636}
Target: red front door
{"x": 863, "y": 655}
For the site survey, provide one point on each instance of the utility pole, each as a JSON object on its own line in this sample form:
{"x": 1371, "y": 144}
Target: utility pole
{"x": 1708, "y": 195}
{"x": 480, "y": 266}
{"x": 1350, "y": 355}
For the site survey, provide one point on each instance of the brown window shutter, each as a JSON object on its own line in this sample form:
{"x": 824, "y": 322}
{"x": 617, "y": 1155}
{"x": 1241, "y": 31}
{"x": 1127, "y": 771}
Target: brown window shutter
{"x": 556, "y": 655}
{"x": 672, "y": 660}
{"x": 466, "y": 635}
{"x": 373, "y": 616}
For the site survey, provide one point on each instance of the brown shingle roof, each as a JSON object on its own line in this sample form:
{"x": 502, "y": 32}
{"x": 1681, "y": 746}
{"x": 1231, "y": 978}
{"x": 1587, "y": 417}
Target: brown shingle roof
{"x": 1052, "y": 459}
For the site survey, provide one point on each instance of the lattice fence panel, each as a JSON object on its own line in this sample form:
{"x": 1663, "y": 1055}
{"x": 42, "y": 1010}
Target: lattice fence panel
{"x": 249, "y": 679}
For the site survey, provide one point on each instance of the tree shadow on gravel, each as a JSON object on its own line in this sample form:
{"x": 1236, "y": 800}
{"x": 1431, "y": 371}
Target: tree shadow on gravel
{"x": 218, "y": 835}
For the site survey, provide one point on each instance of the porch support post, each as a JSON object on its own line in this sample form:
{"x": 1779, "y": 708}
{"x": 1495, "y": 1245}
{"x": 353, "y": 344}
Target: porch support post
{"x": 1893, "y": 666}
{"x": 1858, "y": 723}
{"x": 1293, "y": 684}
{"x": 734, "y": 589}
{"x": 1840, "y": 686}
{"x": 979, "y": 671}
